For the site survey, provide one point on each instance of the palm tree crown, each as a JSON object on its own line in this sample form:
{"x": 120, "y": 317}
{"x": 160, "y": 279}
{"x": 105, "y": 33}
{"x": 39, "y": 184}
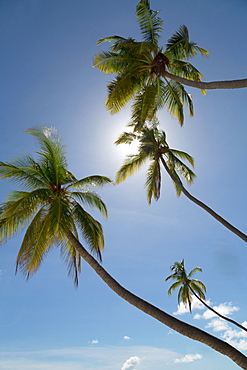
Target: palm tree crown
{"x": 186, "y": 283}
{"x": 190, "y": 287}
{"x": 153, "y": 147}
{"x": 140, "y": 69}
{"x": 50, "y": 204}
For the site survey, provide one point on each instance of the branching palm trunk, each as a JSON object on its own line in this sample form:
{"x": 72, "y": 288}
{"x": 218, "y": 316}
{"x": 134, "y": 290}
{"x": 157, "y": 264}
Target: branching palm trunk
{"x": 203, "y": 205}
{"x": 217, "y": 313}
{"x": 170, "y": 321}
{"x": 232, "y": 84}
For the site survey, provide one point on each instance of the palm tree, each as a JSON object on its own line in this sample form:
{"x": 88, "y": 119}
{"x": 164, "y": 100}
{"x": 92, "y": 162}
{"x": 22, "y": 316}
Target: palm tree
{"x": 190, "y": 287}
{"x": 51, "y": 206}
{"x": 140, "y": 69}
{"x": 139, "y": 63}
{"x": 51, "y": 210}
{"x": 153, "y": 147}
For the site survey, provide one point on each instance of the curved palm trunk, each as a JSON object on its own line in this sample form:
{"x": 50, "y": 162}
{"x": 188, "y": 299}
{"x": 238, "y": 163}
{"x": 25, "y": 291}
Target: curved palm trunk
{"x": 170, "y": 321}
{"x": 233, "y": 84}
{"x": 217, "y": 313}
{"x": 203, "y": 205}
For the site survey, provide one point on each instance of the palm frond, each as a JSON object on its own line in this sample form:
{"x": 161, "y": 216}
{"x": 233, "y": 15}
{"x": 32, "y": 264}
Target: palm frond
{"x": 132, "y": 164}
{"x": 192, "y": 272}
{"x": 147, "y": 103}
{"x": 92, "y": 200}
{"x": 126, "y": 138}
{"x": 52, "y": 152}
{"x": 91, "y": 229}
{"x": 120, "y": 91}
{"x": 149, "y": 22}
{"x": 173, "y": 287}
{"x": 180, "y": 47}
{"x": 113, "y": 39}
{"x": 172, "y": 99}
{"x": 17, "y": 211}
{"x": 153, "y": 181}
{"x": 24, "y": 171}
{"x": 71, "y": 257}
{"x": 93, "y": 180}
{"x": 36, "y": 243}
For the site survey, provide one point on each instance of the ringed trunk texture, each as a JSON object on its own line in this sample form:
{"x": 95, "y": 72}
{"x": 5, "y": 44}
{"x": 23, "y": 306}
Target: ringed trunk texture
{"x": 232, "y": 84}
{"x": 204, "y": 206}
{"x": 170, "y": 321}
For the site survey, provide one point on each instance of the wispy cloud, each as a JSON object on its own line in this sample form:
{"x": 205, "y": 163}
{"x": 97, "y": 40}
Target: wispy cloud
{"x": 188, "y": 358}
{"x": 88, "y": 358}
{"x": 131, "y": 363}
{"x": 126, "y": 337}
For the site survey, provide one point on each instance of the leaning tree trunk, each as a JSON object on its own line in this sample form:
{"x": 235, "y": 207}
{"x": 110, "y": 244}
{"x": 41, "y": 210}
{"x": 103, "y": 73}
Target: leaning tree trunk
{"x": 170, "y": 321}
{"x": 217, "y": 313}
{"x": 203, "y": 205}
{"x": 233, "y": 84}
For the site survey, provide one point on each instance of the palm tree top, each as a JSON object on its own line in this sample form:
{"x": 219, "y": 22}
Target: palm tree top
{"x": 187, "y": 284}
{"x": 140, "y": 68}
{"x": 153, "y": 147}
{"x": 50, "y": 204}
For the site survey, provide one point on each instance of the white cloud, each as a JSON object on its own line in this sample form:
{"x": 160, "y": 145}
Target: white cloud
{"x": 131, "y": 363}
{"x": 217, "y": 325}
{"x": 244, "y": 324}
{"x": 126, "y": 337}
{"x": 195, "y": 305}
{"x": 188, "y": 358}
{"x": 236, "y": 338}
{"x": 225, "y": 309}
{"x": 94, "y": 341}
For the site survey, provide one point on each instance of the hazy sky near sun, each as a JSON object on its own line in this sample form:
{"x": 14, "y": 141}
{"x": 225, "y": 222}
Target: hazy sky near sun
{"x": 47, "y": 79}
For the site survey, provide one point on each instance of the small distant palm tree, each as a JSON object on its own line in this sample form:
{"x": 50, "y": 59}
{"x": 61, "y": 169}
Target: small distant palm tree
{"x": 189, "y": 287}
{"x": 140, "y": 68}
{"x": 154, "y": 148}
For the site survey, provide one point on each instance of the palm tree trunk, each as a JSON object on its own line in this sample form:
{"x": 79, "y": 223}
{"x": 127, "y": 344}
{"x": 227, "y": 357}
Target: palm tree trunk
{"x": 217, "y": 313}
{"x": 170, "y": 321}
{"x": 233, "y": 84}
{"x": 203, "y": 205}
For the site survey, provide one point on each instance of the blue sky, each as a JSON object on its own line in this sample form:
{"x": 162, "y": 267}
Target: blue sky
{"x": 47, "y": 78}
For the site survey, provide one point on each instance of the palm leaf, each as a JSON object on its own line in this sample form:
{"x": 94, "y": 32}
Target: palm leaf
{"x": 180, "y": 47}
{"x": 91, "y": 229}
{"x": 149, "y": 22}
{"x": 92, "y": 200}
{"x": 153, "y": 181}
{"x": 132, "y": 164}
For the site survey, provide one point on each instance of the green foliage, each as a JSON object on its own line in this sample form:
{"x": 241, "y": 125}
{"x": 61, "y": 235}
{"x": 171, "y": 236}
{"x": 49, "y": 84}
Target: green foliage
{"x": 140, "y": 69}
{"x": 186, "y": 283}
{"x": 50, "y": 204}
{"x": 154, "y": 148}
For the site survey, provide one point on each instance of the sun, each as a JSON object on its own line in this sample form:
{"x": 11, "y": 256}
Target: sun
{"x": 129, "y": 149}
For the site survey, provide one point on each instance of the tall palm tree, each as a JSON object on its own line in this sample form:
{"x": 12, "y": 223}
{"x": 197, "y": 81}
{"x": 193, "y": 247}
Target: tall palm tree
{"x": 51, "y": 204}
{"x": 140, "y": 69}
{"x": 130, "y": 59}
{"x": 153, "y": 147}
{"x": 189, "y": 287}
{"x": 51, "y": 210}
